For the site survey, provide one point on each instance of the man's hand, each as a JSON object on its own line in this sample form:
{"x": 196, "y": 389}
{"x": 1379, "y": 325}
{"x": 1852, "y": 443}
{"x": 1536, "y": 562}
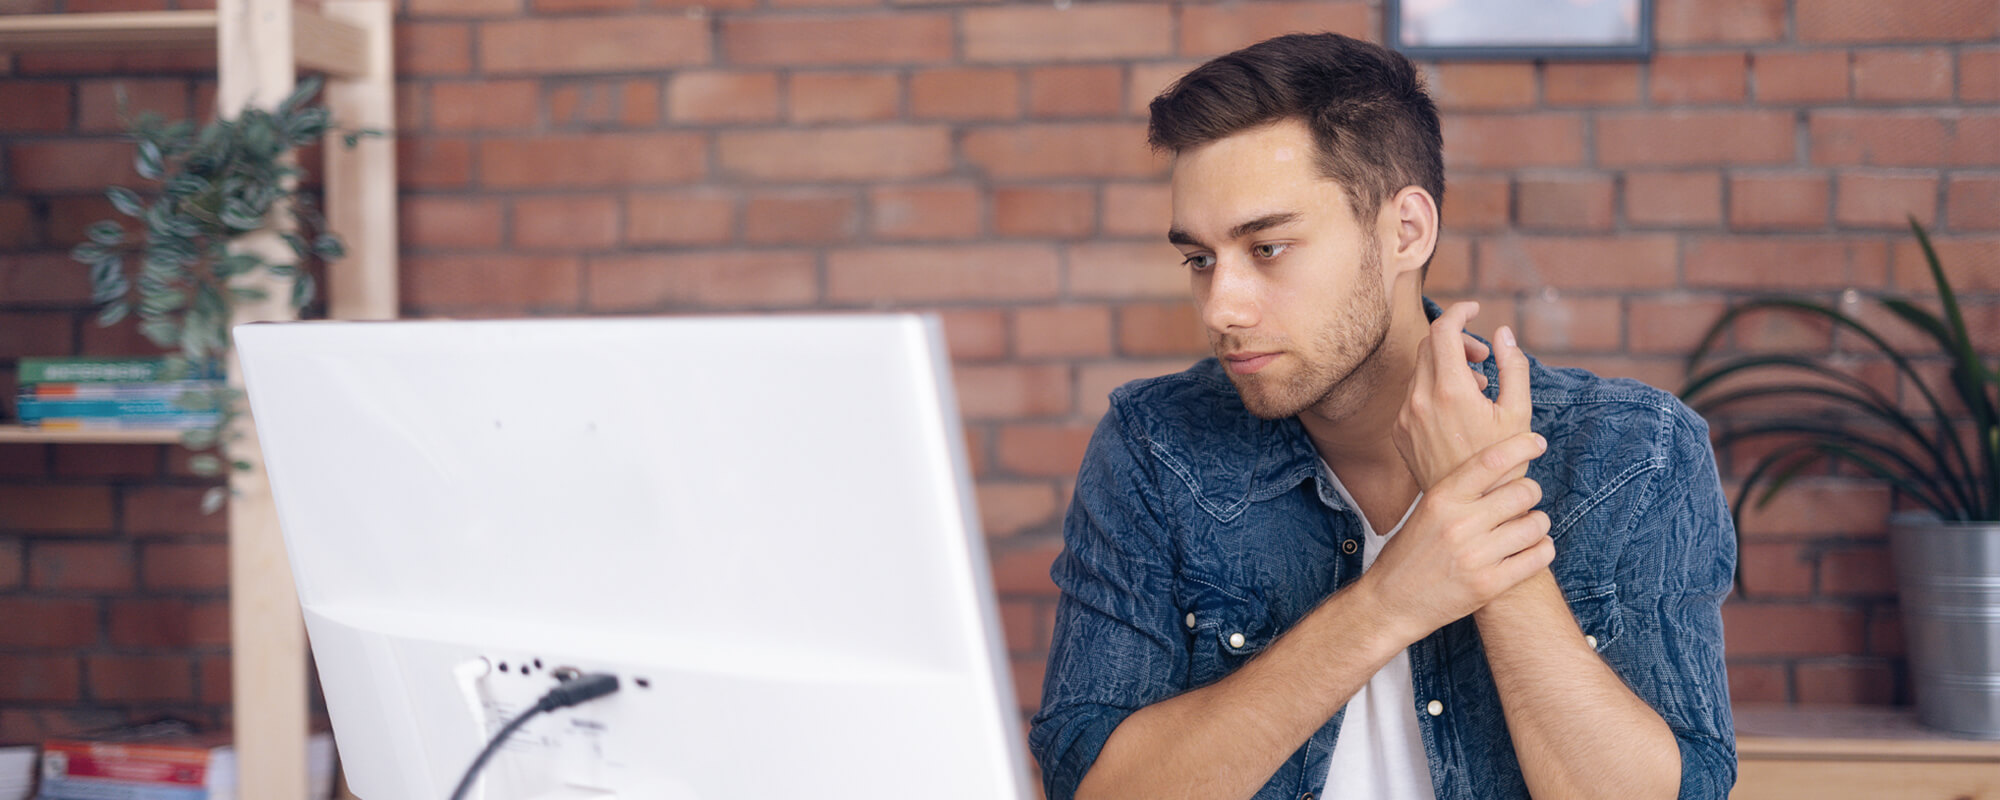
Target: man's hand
{"x": 1446, "y": 418}
{"x": 1472, "y": 537}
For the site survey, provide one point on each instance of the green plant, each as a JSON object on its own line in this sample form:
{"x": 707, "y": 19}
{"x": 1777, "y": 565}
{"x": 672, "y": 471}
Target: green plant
{"x": 1949, "y": 463}
{"x": 182, "y": 273}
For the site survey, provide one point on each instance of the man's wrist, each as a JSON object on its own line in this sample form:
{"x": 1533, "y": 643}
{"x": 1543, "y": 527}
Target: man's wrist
{"x": 1389, "y": 629}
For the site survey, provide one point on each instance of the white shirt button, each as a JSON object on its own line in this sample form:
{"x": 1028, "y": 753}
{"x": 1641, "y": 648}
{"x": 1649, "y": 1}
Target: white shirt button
{"x": 1236, "y": 640}
{"x": 1190, "y": 619}
{"x": 1590, "y": 640}
{"x": 1436, "y": 707}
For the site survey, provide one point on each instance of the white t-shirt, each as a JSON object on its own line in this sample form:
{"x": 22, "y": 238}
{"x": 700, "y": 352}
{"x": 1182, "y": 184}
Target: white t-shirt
{"x": 1379, "y": 753}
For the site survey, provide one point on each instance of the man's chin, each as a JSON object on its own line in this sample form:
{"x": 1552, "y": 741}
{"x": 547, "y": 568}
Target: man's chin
{"x": 1262, "y": 402}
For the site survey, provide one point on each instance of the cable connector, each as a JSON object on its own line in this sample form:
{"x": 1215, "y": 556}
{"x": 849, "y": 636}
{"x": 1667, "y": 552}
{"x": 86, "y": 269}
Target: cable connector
{"x": 580, "y": 689}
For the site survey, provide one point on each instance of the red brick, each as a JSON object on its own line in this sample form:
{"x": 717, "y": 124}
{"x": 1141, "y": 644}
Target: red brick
{"x": 1009, "y": 508}
{"x": 965, "y": 94}
{"x": 127, "y": 678}
{"x": 975, "y": 334}
{"x": 600, "y": 103}
{"x": 1977, "y": 141}
{"x": 1979, "y": 76}
{"x": 592, "y": 160}
{"x": 845, "y": 96}
{"x": 1669, "y": 324}
{"x": 427, "y": 221}
{"x": 81, "y": 566}
{"x": 1709, "y": 21}
{"x": 899, "y": 38}
{"x": 941, "y": 211}
{"x": 1023, "y": 569}
{"x": 215, "y": 680}
{"x": 723, "y": 97}
{"x": 1082, "y": 150}
{"x": 98, "y": 106}
{"x": 1812, "y": 76}
{"x": 1137, "y": 209}
{"x": 1775, "y": 569}
{"x": 158, "y": 510}
{"x": 22, "y": 460}
{"x": 569, "y": 6}
{"x": 1092, "y": 32}
{"x": 1878, "y": 138}
{"x": 69, "y": 165}
{"x": 1513, "y": 140}
{"x": 566, "y": 222}
{"x": 433, "y": 48}
{"x": 1012, "y": 391}
{"x": 839, "y": 154}
{"x": 40, "y": 679}
{"x": 47, "y": 622}
{"x": 592, "y": 44}
{"x": 1451, "y": 265}
{"x": 1221, "y": 28}
{"x": 1160, "y": 329}
{"x": 30, "y": 334}
{"x": 1744, "y": 263}
{"x": 35, "y": 107}
{"x": 43, "y": 278}
{"x": 491, "y": 282}
{"x": 1076, "y": 91}
{"x": 1482, "y": 86}
{"x": 1569, "y": 324}
{"x": 1777, "y": 201}
{"x": 1476, "y": 203}
{"x": 1887, "y": 200}
{"x": 695, "y": 216}
{"x": 1059, "y": 211}
{"x": 937, "y": 273}
{"x": 35, "y": 725}
{"x": 1036, "y": 450}
{"x": 464, "y": 8}
{"x": 1578, "y": 262}
{"x": 1567, "y": 204}
{"x": 1699, "y": 78}
{"x": 17, "y": 225}
{"x": 731, "y": 279}
{"x": 1127, "y": 271}
{"x": 798, "y": 216}
{"x": 1847, "y": 683}
{"x": 190, "y": 62}
{"x": 163, "y": 622}
{"x": 1695, "y": 138}
{"x": 1972, "y": 203}
{"x": 1149, "y": 80}
{"x": 1021, "y": 620}
{"x": 1062, "y": 331}
{"x": 1871, "y": 21}
{"x": 181, "y": 565}
{"x": 1775, "y": 630}
{"x": 13, "y": 569}
{"x": 1590, "y": 84}
{"x": 1885, "y": 632}
{"x": 55, "y": 509}
{"x": 1673, "y": 199}
{"x": 1819, "y": 507}
{"x": 1857, "y": 571}
{"x": 1758, "y": 683}
{"x": 1028, "y": 673}
{"x": 432, "y": 162}
{"x": 1902, "y": 75}
{"x": 484, "y": 105}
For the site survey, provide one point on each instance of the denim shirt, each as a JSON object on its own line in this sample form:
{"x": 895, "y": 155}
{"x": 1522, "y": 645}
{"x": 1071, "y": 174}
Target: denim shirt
{"x": 1194, "y": 522}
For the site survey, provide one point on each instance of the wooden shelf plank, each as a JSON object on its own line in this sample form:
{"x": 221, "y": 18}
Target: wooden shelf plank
{"x": 1867, "y": 733}
{"x": 16, "y": 434}
{"x": 320, "y": 43}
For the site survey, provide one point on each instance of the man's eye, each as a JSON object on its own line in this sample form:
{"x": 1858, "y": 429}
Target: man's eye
{"x": 1268, "y": 250}
{"x": 1199, "y": 262}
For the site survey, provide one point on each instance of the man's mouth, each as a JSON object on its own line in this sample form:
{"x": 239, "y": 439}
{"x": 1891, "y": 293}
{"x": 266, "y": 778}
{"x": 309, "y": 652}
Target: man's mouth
{"x": 1247, "y": 363}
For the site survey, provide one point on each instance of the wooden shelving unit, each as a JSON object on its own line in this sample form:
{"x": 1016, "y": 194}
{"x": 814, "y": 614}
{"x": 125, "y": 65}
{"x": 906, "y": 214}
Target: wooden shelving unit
{"x": 260, "y": 45}
{"x": 1857, "y": 753}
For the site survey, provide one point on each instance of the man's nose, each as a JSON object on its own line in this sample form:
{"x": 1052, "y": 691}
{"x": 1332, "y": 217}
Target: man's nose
{"x": 1232, "y": 298}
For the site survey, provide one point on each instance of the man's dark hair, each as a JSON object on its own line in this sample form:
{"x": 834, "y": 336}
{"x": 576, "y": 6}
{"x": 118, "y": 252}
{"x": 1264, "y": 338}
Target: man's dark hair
{"x": 1375, "y": 127}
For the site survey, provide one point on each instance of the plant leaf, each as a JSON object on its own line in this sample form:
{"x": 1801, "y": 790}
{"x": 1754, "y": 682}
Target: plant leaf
{"x": 302, "y": 291}
{"x": 112, "y": 314}
{"x": 150, "y": 163}
{"x": 125, "y": 200}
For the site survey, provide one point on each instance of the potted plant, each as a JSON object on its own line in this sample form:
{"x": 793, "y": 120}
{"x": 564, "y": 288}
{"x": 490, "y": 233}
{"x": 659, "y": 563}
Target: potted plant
{"x": 184, "y": 274}
{"x": 1944, "y": 459}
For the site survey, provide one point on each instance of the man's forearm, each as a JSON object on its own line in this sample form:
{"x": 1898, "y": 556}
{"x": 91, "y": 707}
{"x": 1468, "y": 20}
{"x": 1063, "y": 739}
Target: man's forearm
{"x": 1578, "y": 730}
{"x": 1225, "y": 740}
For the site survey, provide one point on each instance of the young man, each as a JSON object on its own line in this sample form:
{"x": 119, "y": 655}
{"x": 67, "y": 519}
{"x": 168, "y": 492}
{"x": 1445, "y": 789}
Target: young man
{"x": 1339, "y": 560}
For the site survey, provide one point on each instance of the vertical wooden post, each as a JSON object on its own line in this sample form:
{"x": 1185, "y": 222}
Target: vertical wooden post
{"x": 267, "y": 636}
{"x": 361, "y": 181}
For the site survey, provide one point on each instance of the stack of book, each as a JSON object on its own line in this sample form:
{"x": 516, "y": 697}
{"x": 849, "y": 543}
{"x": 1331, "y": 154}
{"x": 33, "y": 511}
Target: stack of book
{"x": 114, "y": 394}
{"x": 142, "y": 764}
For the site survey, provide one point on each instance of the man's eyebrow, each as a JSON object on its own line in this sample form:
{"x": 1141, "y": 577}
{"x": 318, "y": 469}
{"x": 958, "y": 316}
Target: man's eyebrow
{"x": 1266, "y": 222}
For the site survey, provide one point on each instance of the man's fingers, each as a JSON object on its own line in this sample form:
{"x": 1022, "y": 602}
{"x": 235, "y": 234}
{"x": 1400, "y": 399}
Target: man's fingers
{"x": 1512, "y": 537}
{"x": 1486, "y": 468}
{"x": 1475, "y": 350}
{"x": 1447, "y": 331}
{"x": 1513, "y": 374}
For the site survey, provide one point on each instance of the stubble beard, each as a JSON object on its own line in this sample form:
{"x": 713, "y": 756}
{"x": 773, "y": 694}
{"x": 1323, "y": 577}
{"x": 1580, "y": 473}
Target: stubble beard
{"x": 1331, "y": 378}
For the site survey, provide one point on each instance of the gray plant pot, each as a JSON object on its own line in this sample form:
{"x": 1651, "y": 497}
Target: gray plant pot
{"x": 1949, "y": 577}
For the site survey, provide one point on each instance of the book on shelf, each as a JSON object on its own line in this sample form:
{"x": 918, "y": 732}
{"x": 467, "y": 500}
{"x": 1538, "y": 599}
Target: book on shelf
{"x": 94, "y": 393}
{"x": 159, "y": 762}
{"x": 100, "y": 369}
{"x": 30, "y": 408}
{"x": 171, "y": 390}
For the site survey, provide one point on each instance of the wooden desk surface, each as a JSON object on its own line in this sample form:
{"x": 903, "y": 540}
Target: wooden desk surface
{"x": 1857, "y": 753}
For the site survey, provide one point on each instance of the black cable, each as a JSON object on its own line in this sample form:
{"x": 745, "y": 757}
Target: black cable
{"x": 576, "y": 690}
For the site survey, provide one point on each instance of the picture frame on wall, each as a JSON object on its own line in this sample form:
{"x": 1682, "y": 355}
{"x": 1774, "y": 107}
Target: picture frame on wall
{"x": 1520, "y": 29}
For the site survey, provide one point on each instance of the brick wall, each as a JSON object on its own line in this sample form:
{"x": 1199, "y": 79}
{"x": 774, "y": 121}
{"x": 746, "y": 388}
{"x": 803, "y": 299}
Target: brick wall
{"x": 986, "y": 160}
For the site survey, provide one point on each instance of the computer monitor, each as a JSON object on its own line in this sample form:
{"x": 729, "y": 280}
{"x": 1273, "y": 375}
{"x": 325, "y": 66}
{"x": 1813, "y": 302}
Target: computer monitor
{"x": 763, "y": 525}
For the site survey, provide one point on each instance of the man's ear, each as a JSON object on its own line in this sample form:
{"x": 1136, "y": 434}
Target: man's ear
{"x": 1412, "y": 219}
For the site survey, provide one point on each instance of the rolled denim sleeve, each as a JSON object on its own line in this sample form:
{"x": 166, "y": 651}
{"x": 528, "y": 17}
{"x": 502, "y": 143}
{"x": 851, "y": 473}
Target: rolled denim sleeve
{"x": 1117, "y": 645}
{"x": 1673, "y": 576}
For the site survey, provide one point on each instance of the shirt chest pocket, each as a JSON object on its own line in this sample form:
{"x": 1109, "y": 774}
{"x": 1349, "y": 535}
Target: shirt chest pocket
{"x": 1224, "y": 631}
{"x": 1597, "y": 615}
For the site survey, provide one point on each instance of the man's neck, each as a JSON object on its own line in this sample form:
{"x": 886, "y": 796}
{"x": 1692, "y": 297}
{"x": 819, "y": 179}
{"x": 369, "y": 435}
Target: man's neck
{"x": 1351, "y": 431}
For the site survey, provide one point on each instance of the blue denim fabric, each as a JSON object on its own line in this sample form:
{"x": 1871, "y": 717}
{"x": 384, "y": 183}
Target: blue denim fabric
{"x": 1187, "y": 504}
